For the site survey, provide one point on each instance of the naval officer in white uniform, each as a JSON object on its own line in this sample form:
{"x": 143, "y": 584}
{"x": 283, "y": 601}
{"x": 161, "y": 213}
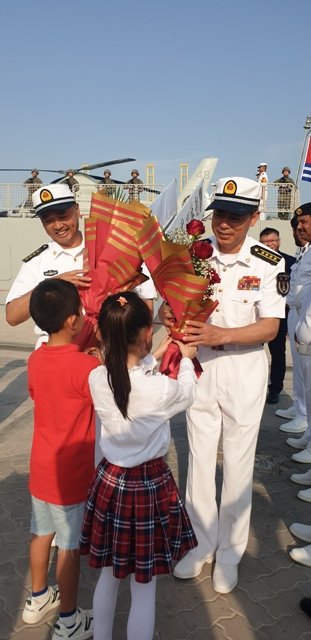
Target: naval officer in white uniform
{"x": 231, "y": 391}
{"x": 62, "y": 257}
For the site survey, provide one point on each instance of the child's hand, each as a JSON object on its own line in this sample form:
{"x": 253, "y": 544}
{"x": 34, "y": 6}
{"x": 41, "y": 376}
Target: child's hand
{"x": 95, "y": 351}
{"x": 162, "y": 347}
{"x": 186, "y": 350}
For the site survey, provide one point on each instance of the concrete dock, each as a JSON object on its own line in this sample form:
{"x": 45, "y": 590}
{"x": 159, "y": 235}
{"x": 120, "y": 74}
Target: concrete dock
{"x": 264, "y": 606}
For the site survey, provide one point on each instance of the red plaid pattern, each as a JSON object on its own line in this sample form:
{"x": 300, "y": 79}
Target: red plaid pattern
{"x": 135, "y": 521}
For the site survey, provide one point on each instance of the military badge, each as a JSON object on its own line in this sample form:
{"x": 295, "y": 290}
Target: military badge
{"x": 230, "y": 188}
{"x": 298, "y": 212}
{"x": 50, "y": 272}
{"x": 282, "y": 283}
{"x": 46, "y": 195}
{"x": 249, "y": 283}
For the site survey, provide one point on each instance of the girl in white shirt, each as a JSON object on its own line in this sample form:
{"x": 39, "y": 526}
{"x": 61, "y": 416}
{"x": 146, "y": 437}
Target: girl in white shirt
{"x": 135, "y": 522}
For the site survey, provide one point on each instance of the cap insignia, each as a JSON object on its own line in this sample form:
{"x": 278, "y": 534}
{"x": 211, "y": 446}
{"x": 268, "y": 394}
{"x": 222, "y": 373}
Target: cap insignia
{"x": 298, "y": 212}
{"x": 46, "y": 195}
{"x": 230, "y": 188}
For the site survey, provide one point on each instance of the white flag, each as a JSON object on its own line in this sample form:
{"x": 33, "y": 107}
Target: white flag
{"x": 192, "y": 208}
{"x": 164, "y": 206}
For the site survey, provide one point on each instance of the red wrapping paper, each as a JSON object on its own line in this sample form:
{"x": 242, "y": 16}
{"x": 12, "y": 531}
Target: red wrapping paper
{"x": 111, "y": 255}
{"x": 173, "y": 273}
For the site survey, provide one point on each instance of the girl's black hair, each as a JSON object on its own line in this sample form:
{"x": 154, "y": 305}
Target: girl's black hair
{"x": 120, "y": 320}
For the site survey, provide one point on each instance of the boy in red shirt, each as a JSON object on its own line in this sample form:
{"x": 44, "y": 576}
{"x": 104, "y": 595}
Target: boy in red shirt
{"x": 62, "y": 456}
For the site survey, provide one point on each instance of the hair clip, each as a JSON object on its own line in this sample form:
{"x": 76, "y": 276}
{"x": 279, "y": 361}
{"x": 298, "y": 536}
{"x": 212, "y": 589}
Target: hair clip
{"x": 122, "y": 301}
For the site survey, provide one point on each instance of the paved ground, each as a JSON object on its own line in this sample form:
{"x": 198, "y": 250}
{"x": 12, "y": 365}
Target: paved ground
{"x": 263, "y": 606}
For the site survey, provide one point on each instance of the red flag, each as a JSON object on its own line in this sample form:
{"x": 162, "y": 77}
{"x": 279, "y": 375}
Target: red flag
{"x": 306, "y": 171}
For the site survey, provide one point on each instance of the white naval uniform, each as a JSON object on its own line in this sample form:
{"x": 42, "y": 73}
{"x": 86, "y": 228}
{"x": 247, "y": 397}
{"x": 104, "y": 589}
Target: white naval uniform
{"x": 303, "y": 333}
{"x": 231, "y": 394}
{"x": 263, "y": 180}
{"x": 54, "y": 260}
{"x": 301, "y": 300}
{"x": 299, "y": 401}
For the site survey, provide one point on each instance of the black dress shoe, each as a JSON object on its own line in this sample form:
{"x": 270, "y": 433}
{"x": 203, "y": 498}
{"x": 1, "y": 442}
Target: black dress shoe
{"x": 273, "y": 397}
{"x": 305, "y": 605}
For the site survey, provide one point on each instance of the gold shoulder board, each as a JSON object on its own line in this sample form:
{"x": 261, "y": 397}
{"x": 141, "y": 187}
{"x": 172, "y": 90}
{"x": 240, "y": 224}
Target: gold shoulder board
{"x": 35, "y": 253}
{"x": 265, "y": 254}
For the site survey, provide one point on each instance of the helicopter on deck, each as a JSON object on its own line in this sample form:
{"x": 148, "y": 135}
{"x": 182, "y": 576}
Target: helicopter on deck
{"x": 14, "y": 202}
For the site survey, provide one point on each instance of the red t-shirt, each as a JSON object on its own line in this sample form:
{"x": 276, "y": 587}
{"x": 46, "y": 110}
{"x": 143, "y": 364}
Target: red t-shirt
{"x": 62, "y": 453}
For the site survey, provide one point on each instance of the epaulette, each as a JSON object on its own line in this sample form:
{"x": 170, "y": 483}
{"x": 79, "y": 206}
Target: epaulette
{"x": 36, "y": 253}
{"x": 265, "y": 254}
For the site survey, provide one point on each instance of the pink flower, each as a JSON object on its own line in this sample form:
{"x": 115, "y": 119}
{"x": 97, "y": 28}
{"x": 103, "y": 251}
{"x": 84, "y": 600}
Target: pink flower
{"x": 202, "y": 249}
{"x": 195, "y": 228}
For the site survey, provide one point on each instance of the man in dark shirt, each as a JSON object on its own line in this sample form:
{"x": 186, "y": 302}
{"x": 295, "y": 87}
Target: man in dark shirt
{"x": 277, "y": 347}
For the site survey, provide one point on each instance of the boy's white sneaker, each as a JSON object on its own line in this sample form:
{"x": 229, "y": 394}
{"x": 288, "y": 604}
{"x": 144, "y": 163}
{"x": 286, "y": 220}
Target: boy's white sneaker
{"x": 34, "y": 611}
{"x": 82, "y": 629}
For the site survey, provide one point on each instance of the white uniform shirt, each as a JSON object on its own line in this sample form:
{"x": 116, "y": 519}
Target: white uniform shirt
{"x": 303, "y": 329}
{"x": 154, "y": 399}
{"x": 302, "y": 277}
{"x": 52, "y": 261}
{"x": 263, "y": 179}
{"x": 248, "y": 287}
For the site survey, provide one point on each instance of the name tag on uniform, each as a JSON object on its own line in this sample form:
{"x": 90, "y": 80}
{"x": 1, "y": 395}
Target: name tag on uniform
{"x": 50, "y": 272}
{"x": 249, "y": 283}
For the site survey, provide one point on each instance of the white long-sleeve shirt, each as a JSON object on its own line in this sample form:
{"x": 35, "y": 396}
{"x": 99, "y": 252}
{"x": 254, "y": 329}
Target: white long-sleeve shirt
{"x": 153, "y": 400}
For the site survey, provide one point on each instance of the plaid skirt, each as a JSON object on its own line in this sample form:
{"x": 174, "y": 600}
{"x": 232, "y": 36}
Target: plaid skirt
{"x": 135, "y": 521}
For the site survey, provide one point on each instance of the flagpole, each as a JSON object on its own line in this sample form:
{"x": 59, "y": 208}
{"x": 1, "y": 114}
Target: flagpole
{"x": 307, "y": 126}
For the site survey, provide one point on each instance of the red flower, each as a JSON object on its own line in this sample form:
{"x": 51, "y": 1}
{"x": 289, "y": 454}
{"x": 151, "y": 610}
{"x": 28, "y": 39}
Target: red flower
{"x": 195, "y": 228}
{"x": 214, "y": 277}
{"x": 202, "y": 249}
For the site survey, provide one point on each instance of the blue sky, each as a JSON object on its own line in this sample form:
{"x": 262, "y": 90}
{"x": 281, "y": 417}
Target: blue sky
{"x": 163, "y": 82}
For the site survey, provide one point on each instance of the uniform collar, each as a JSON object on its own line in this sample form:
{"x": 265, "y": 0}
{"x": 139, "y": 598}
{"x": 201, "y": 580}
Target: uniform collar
{"x": 57, "y": 250}
{"x": 243, "y": 256}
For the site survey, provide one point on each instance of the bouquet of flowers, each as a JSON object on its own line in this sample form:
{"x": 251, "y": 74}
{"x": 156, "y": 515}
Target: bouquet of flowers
{"x": 111, "y": 256}
{"x": 200, "y": 252}
{"x": 183, "y": 275}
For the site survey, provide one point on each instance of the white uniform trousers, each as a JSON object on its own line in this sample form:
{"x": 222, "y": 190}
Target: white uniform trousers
{"x": 231, "y": 394}
{"x": 299, "y": 396}
{"x": 306, "y": 372}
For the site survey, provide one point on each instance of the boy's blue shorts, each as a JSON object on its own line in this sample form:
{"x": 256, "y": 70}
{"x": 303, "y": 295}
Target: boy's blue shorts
{"x": 64, "y": 521}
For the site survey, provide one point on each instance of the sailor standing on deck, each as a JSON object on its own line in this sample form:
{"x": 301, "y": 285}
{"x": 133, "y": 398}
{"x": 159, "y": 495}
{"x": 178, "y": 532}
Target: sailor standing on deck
{"x": 62, "y": 257}
{"x": 262, "y": 178}
{"x": 32, "y": 183}
{"x": 231, "y": 391}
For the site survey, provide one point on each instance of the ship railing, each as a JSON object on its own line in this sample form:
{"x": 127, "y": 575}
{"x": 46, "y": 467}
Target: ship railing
{"x": 279, "y": 200}
{"x": 15, "y": 198}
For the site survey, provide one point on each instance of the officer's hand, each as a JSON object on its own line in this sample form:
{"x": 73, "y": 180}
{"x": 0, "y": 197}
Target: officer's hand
{"x": 166, "y": 316}
{"x": 76, "y": 277}
{"x": 205, "y": 334}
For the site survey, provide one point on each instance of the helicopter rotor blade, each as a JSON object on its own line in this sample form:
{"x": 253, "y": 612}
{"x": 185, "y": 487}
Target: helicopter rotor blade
{"x": 87, "y": 167}
{"x": 44, "y": 170}
{"x": 57, "y": 180}
{"x": 99, "y": 179}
